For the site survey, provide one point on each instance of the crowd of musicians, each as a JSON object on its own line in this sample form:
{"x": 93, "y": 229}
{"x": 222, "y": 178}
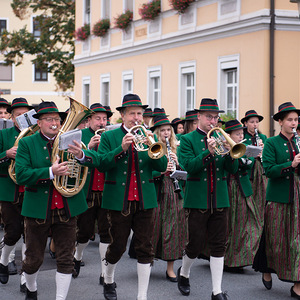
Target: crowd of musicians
{"x": 232, "y": 209}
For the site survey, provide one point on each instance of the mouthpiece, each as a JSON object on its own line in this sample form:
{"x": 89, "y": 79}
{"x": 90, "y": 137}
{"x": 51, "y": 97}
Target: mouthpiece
{"x": 53, "y": 127}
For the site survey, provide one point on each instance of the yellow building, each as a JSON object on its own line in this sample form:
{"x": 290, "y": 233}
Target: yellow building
{"x": 26, "y": 80}
{"x": 245, "y": 53}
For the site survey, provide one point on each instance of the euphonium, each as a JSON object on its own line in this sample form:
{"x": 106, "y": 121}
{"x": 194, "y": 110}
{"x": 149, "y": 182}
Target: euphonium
{"x": 25, "y": 132}
{"x": 237, "y": 150}
{"x": 155, "y": 150}
{"x": 70, "y": 185}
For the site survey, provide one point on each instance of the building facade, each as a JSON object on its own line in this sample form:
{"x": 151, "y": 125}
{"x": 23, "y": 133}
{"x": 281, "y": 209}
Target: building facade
{"x": 26, "y": 80}
{"x": 245, "y": 53}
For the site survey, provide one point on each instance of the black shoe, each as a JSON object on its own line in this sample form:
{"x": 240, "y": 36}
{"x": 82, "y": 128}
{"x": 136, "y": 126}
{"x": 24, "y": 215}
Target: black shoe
{"x": 109, "y": 291}
{"x": 23, "y": 288}
{"x": 76, "y": 269}
{"x": 172, "y": 279}
{"x": 101, "y": 280}
{"x": 4, "y": 274}
{"x": 293, "y": 294}
{"x": 183, "y": 284}
{"x": 82, "y": 263}
{"x": 236, "y": 270}
{"x": 12, "y": 268}
{"x": 267, "y": 284}
{"x": 31, "y": 295}
{"x": 52, "y": 254}
{"x": 221, "y": 296}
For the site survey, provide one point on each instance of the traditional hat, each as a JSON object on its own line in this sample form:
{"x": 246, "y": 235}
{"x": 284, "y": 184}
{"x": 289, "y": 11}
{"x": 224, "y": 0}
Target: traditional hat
{"x": 177, "y": 121}
{"x": 159, "y": 112}
{"x": 287, "y": 106}
{"x": 251, "y": 113}
{"x": 48, "y": 107}
{"x": 191, "y": 115}
{"x": 221, "y": 121}
{"x": 97, "y": 107}
{"x": 160, "y": 120}
{"x": 233, "y": 125}
{"x": 130, "y": 100}
{"x": 4, "y": 102}
{"x": 18, "y": 102}
{"x": 208, "y": 104}
{"x": 147, "y": 112}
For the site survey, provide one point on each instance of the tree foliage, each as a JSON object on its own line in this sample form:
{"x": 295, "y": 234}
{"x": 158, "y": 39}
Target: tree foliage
{"x": 54, "y": 49}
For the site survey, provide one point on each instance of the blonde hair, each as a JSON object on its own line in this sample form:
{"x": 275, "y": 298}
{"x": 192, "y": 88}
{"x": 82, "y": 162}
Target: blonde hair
{"x": 173, "y": 140}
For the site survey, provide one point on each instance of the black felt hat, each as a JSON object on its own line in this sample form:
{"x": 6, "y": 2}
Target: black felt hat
{"x": 18, "y": 102}
{"x": 208, "y": 104}
{"x": 48, "y": 107}
{"x": 251, "y": 113}
{"x": 287, "y": 106}
{"x": 130, "y": 100}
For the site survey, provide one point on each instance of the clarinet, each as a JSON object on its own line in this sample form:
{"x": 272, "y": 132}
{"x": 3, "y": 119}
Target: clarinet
{"x": 297, "y": 138}
{"x": 177, "y": 188}
{"x": 257, "y": 141}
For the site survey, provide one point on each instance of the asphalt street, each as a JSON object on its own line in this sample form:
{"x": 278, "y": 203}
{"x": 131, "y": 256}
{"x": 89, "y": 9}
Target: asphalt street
{"x": 246, "y": 286}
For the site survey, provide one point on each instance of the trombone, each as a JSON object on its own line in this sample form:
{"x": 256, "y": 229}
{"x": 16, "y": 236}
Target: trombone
{"x": 155, "y": 150}
{"x": 237, "y": 150}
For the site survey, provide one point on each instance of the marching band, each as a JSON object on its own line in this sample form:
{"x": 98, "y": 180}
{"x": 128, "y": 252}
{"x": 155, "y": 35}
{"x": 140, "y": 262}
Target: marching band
{"x": 187, "y": 189}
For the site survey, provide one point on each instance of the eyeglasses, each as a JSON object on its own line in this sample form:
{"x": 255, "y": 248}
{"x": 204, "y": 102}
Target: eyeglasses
{"x": 210, "y": 117}
{"x": 50, "y": 120}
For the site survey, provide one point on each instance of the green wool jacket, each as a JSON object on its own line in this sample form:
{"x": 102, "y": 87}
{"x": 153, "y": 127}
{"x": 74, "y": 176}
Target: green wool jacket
{"x": 117, "y": 164}
{"x": 9, "y": 190}
{"x": 277, "y": 163}
{"x": 32, "y": 170}
{"x": 87, "y": 134}
{"x": 242, "y": 177}
{"x": 200, "y": 163}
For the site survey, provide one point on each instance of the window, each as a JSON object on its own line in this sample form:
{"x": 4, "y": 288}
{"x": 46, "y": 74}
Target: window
{"x": 127, "y": 82}
{"x": 128, "y": 4}
{"x": 154, "y": 87}
{"x": 229, "y": 84}
{"x": 5, "y": 72}
{"x": 87, "y": 11}
{"x": 3, "y": 25}
{"x": 86, "y": 91}
{"x": 187, "y": 87}
{"x": 104, "y": 90}
{"x": 105, "y": 12}
{"x": 36, "y": 28}
{"x": 40, "y": 74}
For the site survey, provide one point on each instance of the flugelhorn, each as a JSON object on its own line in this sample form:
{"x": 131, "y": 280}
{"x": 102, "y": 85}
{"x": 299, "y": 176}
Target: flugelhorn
{"x": 236, "y": 150}
{"x": 99, "y": 131}
{"x": 144, "y": 142}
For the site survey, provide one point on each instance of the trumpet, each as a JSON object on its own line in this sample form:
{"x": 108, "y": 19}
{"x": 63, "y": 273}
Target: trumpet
{"x": 237, "y": 150}
{"x": 99, "y": 131}
{"x": 144, "y": 142}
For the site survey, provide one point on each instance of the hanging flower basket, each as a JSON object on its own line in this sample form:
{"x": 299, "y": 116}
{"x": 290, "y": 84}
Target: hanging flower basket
{"x": 122, "y": 21}
{"x": 149, "y": 11}
{"x": 181, "y": 5}
{"x": 101, "y": 27}
{"x": 82, "y": 33}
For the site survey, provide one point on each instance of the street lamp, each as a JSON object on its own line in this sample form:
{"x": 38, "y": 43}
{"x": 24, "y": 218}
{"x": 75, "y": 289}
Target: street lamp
{"x": 297, "y": 1}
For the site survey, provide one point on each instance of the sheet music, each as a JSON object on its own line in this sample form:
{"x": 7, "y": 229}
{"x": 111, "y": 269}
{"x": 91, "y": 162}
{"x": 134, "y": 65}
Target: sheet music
{"x": 5, "y": 123}
{"x": 252, "y": 151}
{"x": 67, "y": 138}
{"x": 26, "y": 120}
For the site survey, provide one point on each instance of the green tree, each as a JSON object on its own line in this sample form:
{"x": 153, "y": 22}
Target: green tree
{"x": 54, "y": 49}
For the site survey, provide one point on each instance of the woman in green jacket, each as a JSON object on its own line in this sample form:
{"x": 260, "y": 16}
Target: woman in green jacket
{"x": 244, "y": 224}
{"x": 281, "y": 160}
{"x": 170, "y": 230}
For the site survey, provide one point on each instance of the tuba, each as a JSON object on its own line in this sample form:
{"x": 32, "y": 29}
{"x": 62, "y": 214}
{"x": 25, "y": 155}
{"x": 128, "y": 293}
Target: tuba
{"x": 70, "y": 185}
{"x": 25, "y": 132}
{"x": 237, "y": 150}
{"x": 155, "y": 150}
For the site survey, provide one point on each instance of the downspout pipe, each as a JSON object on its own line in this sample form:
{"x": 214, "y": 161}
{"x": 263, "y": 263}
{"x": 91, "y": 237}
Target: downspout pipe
{"x": 271, "y": 62}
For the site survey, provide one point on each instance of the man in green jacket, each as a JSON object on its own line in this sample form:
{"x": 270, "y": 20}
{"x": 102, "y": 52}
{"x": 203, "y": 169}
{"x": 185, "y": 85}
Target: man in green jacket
{"x": 206, "y": 197}
{"x": 44, "y": 208}
{"x": 93, "y": 189}
{"x": 12, "y": 194}
{"x": 129, "y": 193}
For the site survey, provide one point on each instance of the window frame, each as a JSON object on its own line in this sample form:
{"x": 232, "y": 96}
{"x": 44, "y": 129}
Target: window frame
{"x": 86, "y": 81}
{"x": 104, "y": 79}
{"x": 6, "y": 23}
{"x": 12, "y": 72}
{"x": 153, "y": 72}
{"x": 127, "y": 75}
{"x": 35, "y": 80}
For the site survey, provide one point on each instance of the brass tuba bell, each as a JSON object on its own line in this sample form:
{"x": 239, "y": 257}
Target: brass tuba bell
{"x": 70, "y": 185}
{"x": 144, "y": 142}
{"x": 237, "y": 150}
